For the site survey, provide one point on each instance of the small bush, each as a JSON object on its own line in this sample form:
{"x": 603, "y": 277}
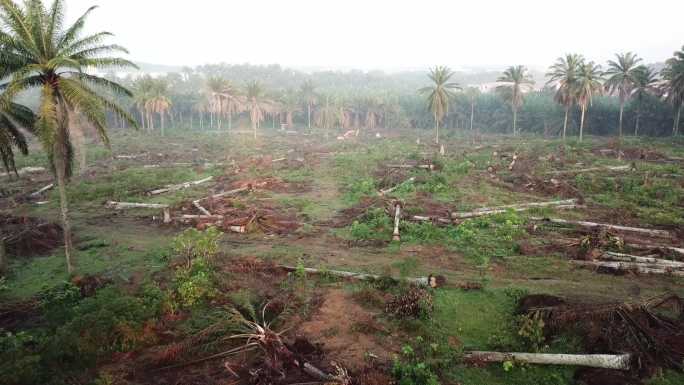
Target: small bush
{"x": 411, "y": 369}
{"x": 194, "y": 244}
{"x": 195, "y": 284}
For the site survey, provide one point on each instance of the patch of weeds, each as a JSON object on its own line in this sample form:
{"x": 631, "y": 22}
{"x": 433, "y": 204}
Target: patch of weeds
{"x": 358, "y": 189}
{"x": 368, "y": 296}
{"x": 375, "y": 224}
{"x": 531, "y": 330}
{"x": 194, "y": 244}
{"x": 417, "y": 364}
{"x": 195, "y": 284}
{"x": 407, "y": 266}
{"x": 411, "y": 302}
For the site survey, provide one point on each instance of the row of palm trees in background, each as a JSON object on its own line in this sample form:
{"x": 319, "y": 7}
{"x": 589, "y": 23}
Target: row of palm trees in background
{"x": 576, "y": 81}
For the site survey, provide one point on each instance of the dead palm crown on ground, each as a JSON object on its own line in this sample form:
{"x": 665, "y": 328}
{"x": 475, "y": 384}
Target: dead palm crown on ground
{"x": 40, "y": 52}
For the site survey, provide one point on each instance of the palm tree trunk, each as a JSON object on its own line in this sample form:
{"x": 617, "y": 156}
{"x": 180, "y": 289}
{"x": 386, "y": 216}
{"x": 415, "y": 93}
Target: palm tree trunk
{"x": 582, "y": 122}
{"x": 211, "y": 120}
{"x": 565, "y": 121}
{"x": 161, "y": 117}
{"x": 638, "y": 117}
{"x": 622, "y": 110}
{"x": 678, "y": 115}
{"x": 515, "y": 121}
{"x": 472, "y": 116}
{"x": 59, "y": 159}
{"x": 436, "y": 129}
{"x": 142, "y": 118}
{"x": 308, "y": 108}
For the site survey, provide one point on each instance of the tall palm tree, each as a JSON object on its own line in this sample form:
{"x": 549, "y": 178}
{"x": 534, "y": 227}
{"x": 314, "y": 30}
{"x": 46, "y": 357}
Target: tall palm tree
{"x": 621, "y": 78}
{"x": 142, "y": 93}
{"x": 588, "y": 85}
{"x": 673, "y": 74}
{"x": 645, "y": 83}
{"x": 308, "y": 91}
{"x": 39, "y": 53}
{"x": 439, "y": 94}
{"x": 563, "y": 76}
{"x": 291, "y": 105}
{"x": 159, "y": 102}
{"x": 214, "y": 86}
{"x": 472, "y": 93}
{"x": 230, "y": 101}
{"x": 13, "y": 118}
{"x": 257, "y": 103}
{"x": 516, "y": 81}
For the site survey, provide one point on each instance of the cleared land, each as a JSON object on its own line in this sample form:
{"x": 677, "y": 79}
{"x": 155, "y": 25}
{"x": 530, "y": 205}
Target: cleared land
{"x": 318, "y": 202}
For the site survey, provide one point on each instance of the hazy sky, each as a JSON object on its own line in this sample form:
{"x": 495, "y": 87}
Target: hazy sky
{"x": 386, "y": 34}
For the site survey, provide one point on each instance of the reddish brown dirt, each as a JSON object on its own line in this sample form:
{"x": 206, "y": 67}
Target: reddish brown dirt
{"x": 347, "y": 216}
{"x": 591, "y": 376}
{"x": 336, "y": 325}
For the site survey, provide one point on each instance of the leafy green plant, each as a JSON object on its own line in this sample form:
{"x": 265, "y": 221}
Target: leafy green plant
{"x": 411, "y": 368}
{"x": 532, "y": 330}
{"x": 196, "y": 283}
{"x": 194, "y": 244}
{"x": 374, "y": 224}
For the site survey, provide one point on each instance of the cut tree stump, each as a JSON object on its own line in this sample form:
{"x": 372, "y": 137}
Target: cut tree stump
{"x": 179, "y": 186}
{"x": 592, "y": 225}
{"x": 604, "y": 361}
{"x": 397, "y": 218}
{"x": 631, "y": 266}
{"x": 562, "y": 204}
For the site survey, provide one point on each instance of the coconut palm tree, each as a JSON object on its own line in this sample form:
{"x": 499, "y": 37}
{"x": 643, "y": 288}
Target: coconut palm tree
{"x": 516, "y": 81}
{"x": 290, "y": 103}
{"x": 159, "y": 102}
{"x": 13, "y": 118}
{"x": 589, "y": 77}
{"x": 645, "y": 83}
{"x": 38, "y": 52}
{"x": 620, "y": 79}
{"x": 673, "y": 89}
{"x": 308, "y": 92}
{"x": 439, "y": 94}
{"x": 257, "y": 104}
{"x": 142, "y": 93}
{"x": 563, "y": 76}
{"x": 230, "y": 101}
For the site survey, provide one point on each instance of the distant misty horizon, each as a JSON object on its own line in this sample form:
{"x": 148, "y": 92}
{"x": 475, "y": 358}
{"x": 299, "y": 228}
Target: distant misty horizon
{"x": 385, "y": 35}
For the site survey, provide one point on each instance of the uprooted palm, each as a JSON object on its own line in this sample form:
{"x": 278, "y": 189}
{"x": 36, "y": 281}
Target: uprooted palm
{"x": 39, "y": 52}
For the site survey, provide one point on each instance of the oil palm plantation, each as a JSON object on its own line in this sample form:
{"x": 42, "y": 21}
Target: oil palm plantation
{"x": 13, "y": 118}
{"x": 308, "y": 93}
{"x": 645, "y": 83}
{"x": 159, "y": 102}
{"x": 439, "y": 94}
{"x": 621, "y": 78}
{"x": 39, "y": 52}
{"x": 516, "y": 82}
{"x": 588, "y": 85}
{"x": 673, "y": 75}
{"x": 143, "y": 90}
{"x": 563, "y": 76}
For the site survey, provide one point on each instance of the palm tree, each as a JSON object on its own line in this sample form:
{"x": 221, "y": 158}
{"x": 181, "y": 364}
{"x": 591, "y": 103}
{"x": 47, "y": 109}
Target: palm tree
{"x": 257, "y": 103}
{"x": 439, "y": 94}
{"x": 291, "y": 105}
{"x": 621, "y": 75}
{"x": 673, "y": 74}
{"x": 645, "y": 83}
{"x": 159, "y": 102}
{"x": 230, "y": 101}
{"x": 472, "y": 93}
{"x": 13, "y": 118}
{"x": 38, "y": 52}
{"x": 563, "y": 75}
{"x": 588, "y": 84}
{"x": 214, "y": 86}
{"x": 143, "y": 89}
{"x": 308, "y": 91}
{"x": 516, "y": 81}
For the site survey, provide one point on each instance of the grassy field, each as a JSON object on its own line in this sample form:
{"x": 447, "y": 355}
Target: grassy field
{"x": 317, "y": 206}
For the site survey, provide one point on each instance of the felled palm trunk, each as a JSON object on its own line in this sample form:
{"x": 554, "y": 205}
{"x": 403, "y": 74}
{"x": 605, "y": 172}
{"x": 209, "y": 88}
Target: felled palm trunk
{"x": 605, "y": 361}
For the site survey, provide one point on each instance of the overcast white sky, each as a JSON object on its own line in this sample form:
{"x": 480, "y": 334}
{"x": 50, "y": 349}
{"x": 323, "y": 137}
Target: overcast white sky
{"x": 386, "y": 34}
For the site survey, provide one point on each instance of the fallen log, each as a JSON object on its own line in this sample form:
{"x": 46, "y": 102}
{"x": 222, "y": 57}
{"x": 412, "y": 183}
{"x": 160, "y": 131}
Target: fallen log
{"x": 422, "y": 218}
{"x": 42, "y": 190}
{"x": 564, "y": 204}
{"x": 133, "y": 205}
{"x": 676, "y": 250}
{"x": 604, "y": 361}
{"x": 226, "y": 193}
{"x": 179, "y": 186}
{"x": 23, "y": 171}
{"x": 592, "y": 169}
{"x": 631, "y": 266}
{"x": 397, "y": 218}
{"x": 592, "y": 225}
{"x": 389, "y": 190}
{"x": 200, "y": 208}
{"x": 432, "y": 281}
{"x": 620, "y": 257}
{"x": 430, "y": 167}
